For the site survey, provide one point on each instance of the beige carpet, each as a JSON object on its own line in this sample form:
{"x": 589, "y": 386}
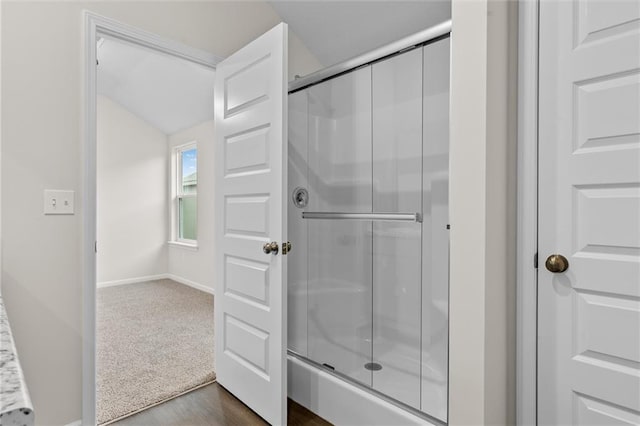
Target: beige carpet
{"x": 154, "y": 342}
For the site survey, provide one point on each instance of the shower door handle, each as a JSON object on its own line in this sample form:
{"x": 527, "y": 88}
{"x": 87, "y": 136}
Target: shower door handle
{"x": 270, "y": 248}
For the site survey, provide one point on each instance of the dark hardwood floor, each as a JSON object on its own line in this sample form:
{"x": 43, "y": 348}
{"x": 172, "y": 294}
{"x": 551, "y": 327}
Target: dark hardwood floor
{"x": 212, "y": 405}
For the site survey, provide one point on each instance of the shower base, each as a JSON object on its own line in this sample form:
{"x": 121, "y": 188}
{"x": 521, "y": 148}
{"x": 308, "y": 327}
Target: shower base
{"x": 340, "y": 401}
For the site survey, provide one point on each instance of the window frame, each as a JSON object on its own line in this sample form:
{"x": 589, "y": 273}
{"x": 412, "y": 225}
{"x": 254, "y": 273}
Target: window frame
{"x": 178, "y": 195}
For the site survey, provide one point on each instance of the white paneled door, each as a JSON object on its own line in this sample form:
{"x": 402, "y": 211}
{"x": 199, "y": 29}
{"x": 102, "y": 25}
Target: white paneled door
{"x": 250, "y": 170}
{"x": 589, "y": 201}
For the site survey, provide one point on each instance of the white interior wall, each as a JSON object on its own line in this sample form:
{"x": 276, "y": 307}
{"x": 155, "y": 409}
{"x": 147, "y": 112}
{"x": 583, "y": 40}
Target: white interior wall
{"x": 500, "y": 242}
{"x": 132, "y": 197}
{"x": 186, "y": 264}
{"x": 482, "y": 250}
{"x": 42, "y": 147}
{"x": 301, "y": 60}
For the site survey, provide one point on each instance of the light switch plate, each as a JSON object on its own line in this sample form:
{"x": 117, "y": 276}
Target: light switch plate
{"x": 58, "y": 202}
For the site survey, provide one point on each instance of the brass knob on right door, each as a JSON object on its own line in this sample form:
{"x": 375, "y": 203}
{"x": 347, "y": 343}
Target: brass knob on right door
{"x": 556, "y": 263}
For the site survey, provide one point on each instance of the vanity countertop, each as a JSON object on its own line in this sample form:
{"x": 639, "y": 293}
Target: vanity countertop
{"x": 15, "y": 404}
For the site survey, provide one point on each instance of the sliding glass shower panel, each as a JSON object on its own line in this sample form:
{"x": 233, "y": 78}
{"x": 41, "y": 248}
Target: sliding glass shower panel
{"x": 297, "y": 227}
{"x": 339, "y": 300}
{"x": 340, "y": 144}
{"x": 397, "y": 308}
{"x": 340, "y": 296}
{"x": 435, "y": 241}
{"x": 397, "y": 188}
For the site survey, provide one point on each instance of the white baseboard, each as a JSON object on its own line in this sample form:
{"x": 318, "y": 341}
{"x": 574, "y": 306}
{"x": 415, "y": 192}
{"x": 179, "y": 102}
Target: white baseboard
{"x": 76, "y": 423}
{"x": 173, "y": 277}
{"x": 190, "y": 283}
{"x": 132, "y": 280}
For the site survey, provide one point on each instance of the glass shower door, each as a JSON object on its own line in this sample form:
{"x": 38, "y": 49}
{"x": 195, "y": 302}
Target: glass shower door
{"x": 340, "y": 180}
{"x": 369, "y": 298}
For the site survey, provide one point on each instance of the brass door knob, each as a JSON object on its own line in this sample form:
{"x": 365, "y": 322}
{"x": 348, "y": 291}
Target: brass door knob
{"x": 270, "y": 248}
{"x": 557, "y": 263}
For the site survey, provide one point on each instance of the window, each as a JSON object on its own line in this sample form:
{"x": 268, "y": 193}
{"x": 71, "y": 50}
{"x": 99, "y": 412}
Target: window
{"x": 186, "y": 226}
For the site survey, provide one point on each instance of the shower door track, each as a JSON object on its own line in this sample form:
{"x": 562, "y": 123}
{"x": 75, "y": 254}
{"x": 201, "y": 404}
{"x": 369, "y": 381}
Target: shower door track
{"x": 367, "y": 389}
{"x": 387, "y": 217}
{"x": 433, "y": 33}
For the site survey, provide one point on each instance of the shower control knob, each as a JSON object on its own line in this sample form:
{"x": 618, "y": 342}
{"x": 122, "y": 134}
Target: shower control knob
{"x": 270, "y": 248}
{"x": 300, "y": 197}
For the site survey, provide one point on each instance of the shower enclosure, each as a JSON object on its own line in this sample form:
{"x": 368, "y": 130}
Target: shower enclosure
{"x": 368, "y": 220}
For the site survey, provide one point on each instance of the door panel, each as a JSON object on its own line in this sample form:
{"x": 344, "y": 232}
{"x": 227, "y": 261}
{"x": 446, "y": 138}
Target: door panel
{"x": 251, "y": 152}
{"x": 241, "y": 278}
{"x": 247, "y": 152}
{"x": 589, "y": 210}
{"x": 593, "y": 412}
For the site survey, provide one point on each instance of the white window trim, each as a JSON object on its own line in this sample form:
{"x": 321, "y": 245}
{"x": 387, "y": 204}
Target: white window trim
{"x": 187, "y": 246}
{"x": 175, "y": 196}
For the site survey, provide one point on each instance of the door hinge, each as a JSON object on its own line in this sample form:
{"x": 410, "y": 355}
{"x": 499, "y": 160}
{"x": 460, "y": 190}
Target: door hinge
{"x": 535, "y": 261}
{"x": 286, "y": 247}
{"x": 95, "y": 246}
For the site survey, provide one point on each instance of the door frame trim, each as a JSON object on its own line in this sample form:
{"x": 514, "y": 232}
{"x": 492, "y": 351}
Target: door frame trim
{"x": 95, "y": 26}
{"x": 527, "y": 214}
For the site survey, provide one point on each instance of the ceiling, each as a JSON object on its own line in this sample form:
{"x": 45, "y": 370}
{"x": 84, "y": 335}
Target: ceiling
{"x": 338, "y": 30}
{"x": 169, "y": 93}
{"x": 174, "y": 94}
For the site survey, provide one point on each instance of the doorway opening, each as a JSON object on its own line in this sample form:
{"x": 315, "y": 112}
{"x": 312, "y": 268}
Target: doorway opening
{"x": 148, "y": 298}
{"x": 211, "y": 403}
{"x": 154, "y": 278}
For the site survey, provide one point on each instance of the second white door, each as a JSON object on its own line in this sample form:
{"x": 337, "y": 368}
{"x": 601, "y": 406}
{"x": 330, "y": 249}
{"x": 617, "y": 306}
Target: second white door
{"x": 589, "y": 213}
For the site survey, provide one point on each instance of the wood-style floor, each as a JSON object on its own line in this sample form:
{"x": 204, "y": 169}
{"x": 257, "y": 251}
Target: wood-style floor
{"x": 212, "y": 405}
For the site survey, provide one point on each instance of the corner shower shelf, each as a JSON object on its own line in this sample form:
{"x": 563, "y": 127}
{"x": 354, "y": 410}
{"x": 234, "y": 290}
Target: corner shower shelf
{"x": 401, "y": 217}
